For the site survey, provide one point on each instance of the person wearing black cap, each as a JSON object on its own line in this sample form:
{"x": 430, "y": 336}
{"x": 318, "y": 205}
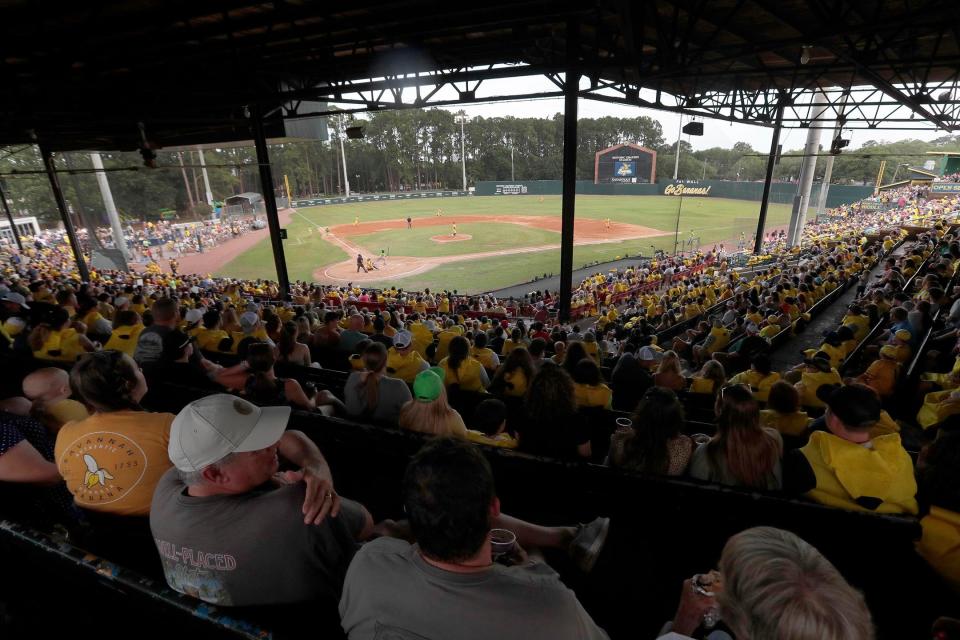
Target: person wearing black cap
{"x": 815, "y": 373}
{"x": 844, "y": 467}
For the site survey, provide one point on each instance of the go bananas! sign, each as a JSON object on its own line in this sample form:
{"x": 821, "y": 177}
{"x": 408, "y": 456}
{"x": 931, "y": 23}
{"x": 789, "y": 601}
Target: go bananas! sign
{"x": 684, "y": 190}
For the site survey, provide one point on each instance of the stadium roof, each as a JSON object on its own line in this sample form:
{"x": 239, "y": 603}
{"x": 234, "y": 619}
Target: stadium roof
{"x": 84, "y": 75}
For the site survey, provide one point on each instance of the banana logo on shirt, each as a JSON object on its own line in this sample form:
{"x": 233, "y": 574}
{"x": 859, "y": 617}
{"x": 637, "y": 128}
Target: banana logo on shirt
{"x": 95, "y": 474}
{"x": 102, "y": 467}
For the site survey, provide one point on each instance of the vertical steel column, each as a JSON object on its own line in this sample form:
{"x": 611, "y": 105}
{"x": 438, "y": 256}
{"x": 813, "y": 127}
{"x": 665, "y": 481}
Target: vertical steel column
{"x": 65, "y": 214}
{"x": 13, "y": 227}
{"x": 270, "y": 200}
{"x": 771, "y": 161}
{"x": 571, "y": 88}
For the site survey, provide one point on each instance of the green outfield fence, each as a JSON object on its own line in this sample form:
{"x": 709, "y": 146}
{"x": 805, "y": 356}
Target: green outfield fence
{"x": 780, "y": 192}
{"x": 377, "y": 197}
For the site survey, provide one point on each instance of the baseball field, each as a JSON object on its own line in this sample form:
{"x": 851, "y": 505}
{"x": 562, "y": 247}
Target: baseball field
{"x": 478, "y": 243}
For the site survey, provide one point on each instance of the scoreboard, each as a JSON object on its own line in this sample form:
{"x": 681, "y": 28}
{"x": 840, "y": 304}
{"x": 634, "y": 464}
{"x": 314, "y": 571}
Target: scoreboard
{"x": 625, "y": 163}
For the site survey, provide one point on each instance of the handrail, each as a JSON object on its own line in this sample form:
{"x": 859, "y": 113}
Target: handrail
{"x": 129, "y": 581}
{"x": 854, "y": 355}
{"x": 911, "y": 370}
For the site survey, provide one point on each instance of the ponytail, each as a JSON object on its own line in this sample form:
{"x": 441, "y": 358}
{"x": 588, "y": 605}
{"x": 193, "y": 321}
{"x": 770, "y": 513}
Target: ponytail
{"x": 374, "y": 360}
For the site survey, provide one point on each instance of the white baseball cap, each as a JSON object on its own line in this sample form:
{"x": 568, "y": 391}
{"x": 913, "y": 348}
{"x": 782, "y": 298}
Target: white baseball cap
{"x": 211, "y": 428}
{"x": 402, "y": 339}
{"x": 15, "y": 298}
{"x": 248, "y": 321}
{"x": 194, "y": 315}
{"x": 649, "y": 354}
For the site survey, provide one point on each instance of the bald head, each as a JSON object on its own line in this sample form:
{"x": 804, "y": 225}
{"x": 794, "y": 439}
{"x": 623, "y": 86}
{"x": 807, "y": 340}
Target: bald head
{"x": 49, "y": 383}
{"x": 356, "y": 322}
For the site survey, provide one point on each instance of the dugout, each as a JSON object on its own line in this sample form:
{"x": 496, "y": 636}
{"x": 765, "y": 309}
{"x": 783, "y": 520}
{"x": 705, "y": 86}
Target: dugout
{"x": 625, "y": 164}
{"x": 249, "y": 203}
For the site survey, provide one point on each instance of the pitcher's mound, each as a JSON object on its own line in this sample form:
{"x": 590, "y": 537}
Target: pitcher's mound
{"x": 449, "y": 238}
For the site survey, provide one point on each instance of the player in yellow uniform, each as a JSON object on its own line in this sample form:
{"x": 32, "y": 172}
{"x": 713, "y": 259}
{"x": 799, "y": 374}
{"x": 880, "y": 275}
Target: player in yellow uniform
{"x": 606, "y": 224}
{"x": 356, "y": 220}
{"x": 454, "y": 229}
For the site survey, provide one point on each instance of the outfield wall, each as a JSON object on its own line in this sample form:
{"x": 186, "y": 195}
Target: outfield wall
{"x": 780, "y": 192}
{"x": 376, "y": 197}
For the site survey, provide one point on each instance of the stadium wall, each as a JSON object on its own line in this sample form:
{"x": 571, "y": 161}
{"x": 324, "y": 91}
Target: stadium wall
{"x": 780, "y": 192}
{"x": 376, "y": 197}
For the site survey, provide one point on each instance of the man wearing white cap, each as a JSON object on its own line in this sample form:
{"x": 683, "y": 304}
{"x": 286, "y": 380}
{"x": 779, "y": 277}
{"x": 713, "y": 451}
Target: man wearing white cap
{"x": 12, "y": 320}
{"x": 233, "y": 532}
{"x": 403, "y": 361}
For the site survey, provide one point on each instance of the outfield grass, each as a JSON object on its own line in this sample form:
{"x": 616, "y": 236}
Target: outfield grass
{"x": 713, "y": 220}
{"x": 485, "y": 236}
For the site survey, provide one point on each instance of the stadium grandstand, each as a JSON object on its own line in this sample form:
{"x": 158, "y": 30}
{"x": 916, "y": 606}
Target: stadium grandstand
{"x": 693, "y": 444}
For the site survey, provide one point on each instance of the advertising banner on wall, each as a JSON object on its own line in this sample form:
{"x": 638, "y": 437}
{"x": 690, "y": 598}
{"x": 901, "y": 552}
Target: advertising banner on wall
{"x": 944, "y": 189}
{"x": 680, "y": 189}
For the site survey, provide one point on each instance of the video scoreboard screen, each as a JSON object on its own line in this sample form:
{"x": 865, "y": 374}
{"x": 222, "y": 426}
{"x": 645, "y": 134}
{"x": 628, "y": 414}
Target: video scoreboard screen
{"x": 625, "y": 163}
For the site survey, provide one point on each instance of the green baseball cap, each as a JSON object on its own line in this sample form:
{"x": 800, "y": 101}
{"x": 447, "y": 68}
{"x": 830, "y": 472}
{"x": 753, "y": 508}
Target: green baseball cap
{"x": 428, "y": 385}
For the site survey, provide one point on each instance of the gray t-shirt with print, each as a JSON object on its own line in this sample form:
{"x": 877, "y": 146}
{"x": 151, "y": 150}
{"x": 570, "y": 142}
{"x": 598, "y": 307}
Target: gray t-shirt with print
{"x": 392, "y": 394}
{"x": 392, "y": 593}
{"x": 253, "y": 548}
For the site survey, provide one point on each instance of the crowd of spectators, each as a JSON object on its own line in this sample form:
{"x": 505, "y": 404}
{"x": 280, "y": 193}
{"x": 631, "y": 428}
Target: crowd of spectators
{"x": 688, "y": 339}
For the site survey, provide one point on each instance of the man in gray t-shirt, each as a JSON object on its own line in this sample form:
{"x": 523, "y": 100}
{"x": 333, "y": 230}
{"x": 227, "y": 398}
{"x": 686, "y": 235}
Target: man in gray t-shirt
{"x": 446, "y": 586}
{"x": 229, "y": 531}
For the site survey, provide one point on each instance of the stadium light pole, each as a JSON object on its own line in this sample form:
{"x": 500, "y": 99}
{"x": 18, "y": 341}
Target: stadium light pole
{"x": 462, "y": 118}
{"x": 343, "y": 157}
{"x": 676, "y": 160}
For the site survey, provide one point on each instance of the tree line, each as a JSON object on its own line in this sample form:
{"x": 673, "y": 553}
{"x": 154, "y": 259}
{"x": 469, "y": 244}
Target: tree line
{"x": 409, "y": 149}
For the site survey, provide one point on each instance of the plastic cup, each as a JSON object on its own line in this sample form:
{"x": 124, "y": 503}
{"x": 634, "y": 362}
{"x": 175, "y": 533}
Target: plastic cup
{"x": 624, "y": 423}
{"x": 502, "y": 544}
{"x": 700, "y": 438}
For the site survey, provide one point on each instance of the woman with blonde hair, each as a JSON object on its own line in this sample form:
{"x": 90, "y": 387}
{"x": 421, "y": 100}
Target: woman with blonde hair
{"x": 773, "y": 584}
{"x": 429, "y": 412}
{"x": 370, "y": 394}
{"x": 669, "y": 374}
{"x": 742, "y": 453}
{"x": 710, "y": 379}
{"x": 229, "y": 321}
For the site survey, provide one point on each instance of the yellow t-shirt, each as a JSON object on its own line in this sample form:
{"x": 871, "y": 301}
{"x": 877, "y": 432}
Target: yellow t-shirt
{"x": 593, "y": 395}
{"x": 759, "y": 383}
{"x": 66, "y": 410}
{"x": 789, "y": 424}
{"x": 504, "y": 440}
{"x": 405, "y": 367}
{"x": 124, "y": 339}
{"x": 63, "y": 346}
{"x": 467, "y": 374}
{"x": 111, "y": 462}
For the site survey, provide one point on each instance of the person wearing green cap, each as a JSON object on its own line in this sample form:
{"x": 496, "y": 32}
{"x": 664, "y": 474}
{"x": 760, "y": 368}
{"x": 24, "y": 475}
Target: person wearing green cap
{"x": 429, "y": 412}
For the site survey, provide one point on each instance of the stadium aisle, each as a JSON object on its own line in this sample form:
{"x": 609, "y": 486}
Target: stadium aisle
{"x": 791, "y": 353}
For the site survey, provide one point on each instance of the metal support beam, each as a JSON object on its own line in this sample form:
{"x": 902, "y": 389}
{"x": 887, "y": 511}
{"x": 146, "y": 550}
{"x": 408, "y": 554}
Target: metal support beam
{"x": 771, "y": 161}
{"x": 570, "y": 96}
{"x": 6, "y": 208}
{"x": 65, "y": 214}
{"x": 269, "y": 200}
